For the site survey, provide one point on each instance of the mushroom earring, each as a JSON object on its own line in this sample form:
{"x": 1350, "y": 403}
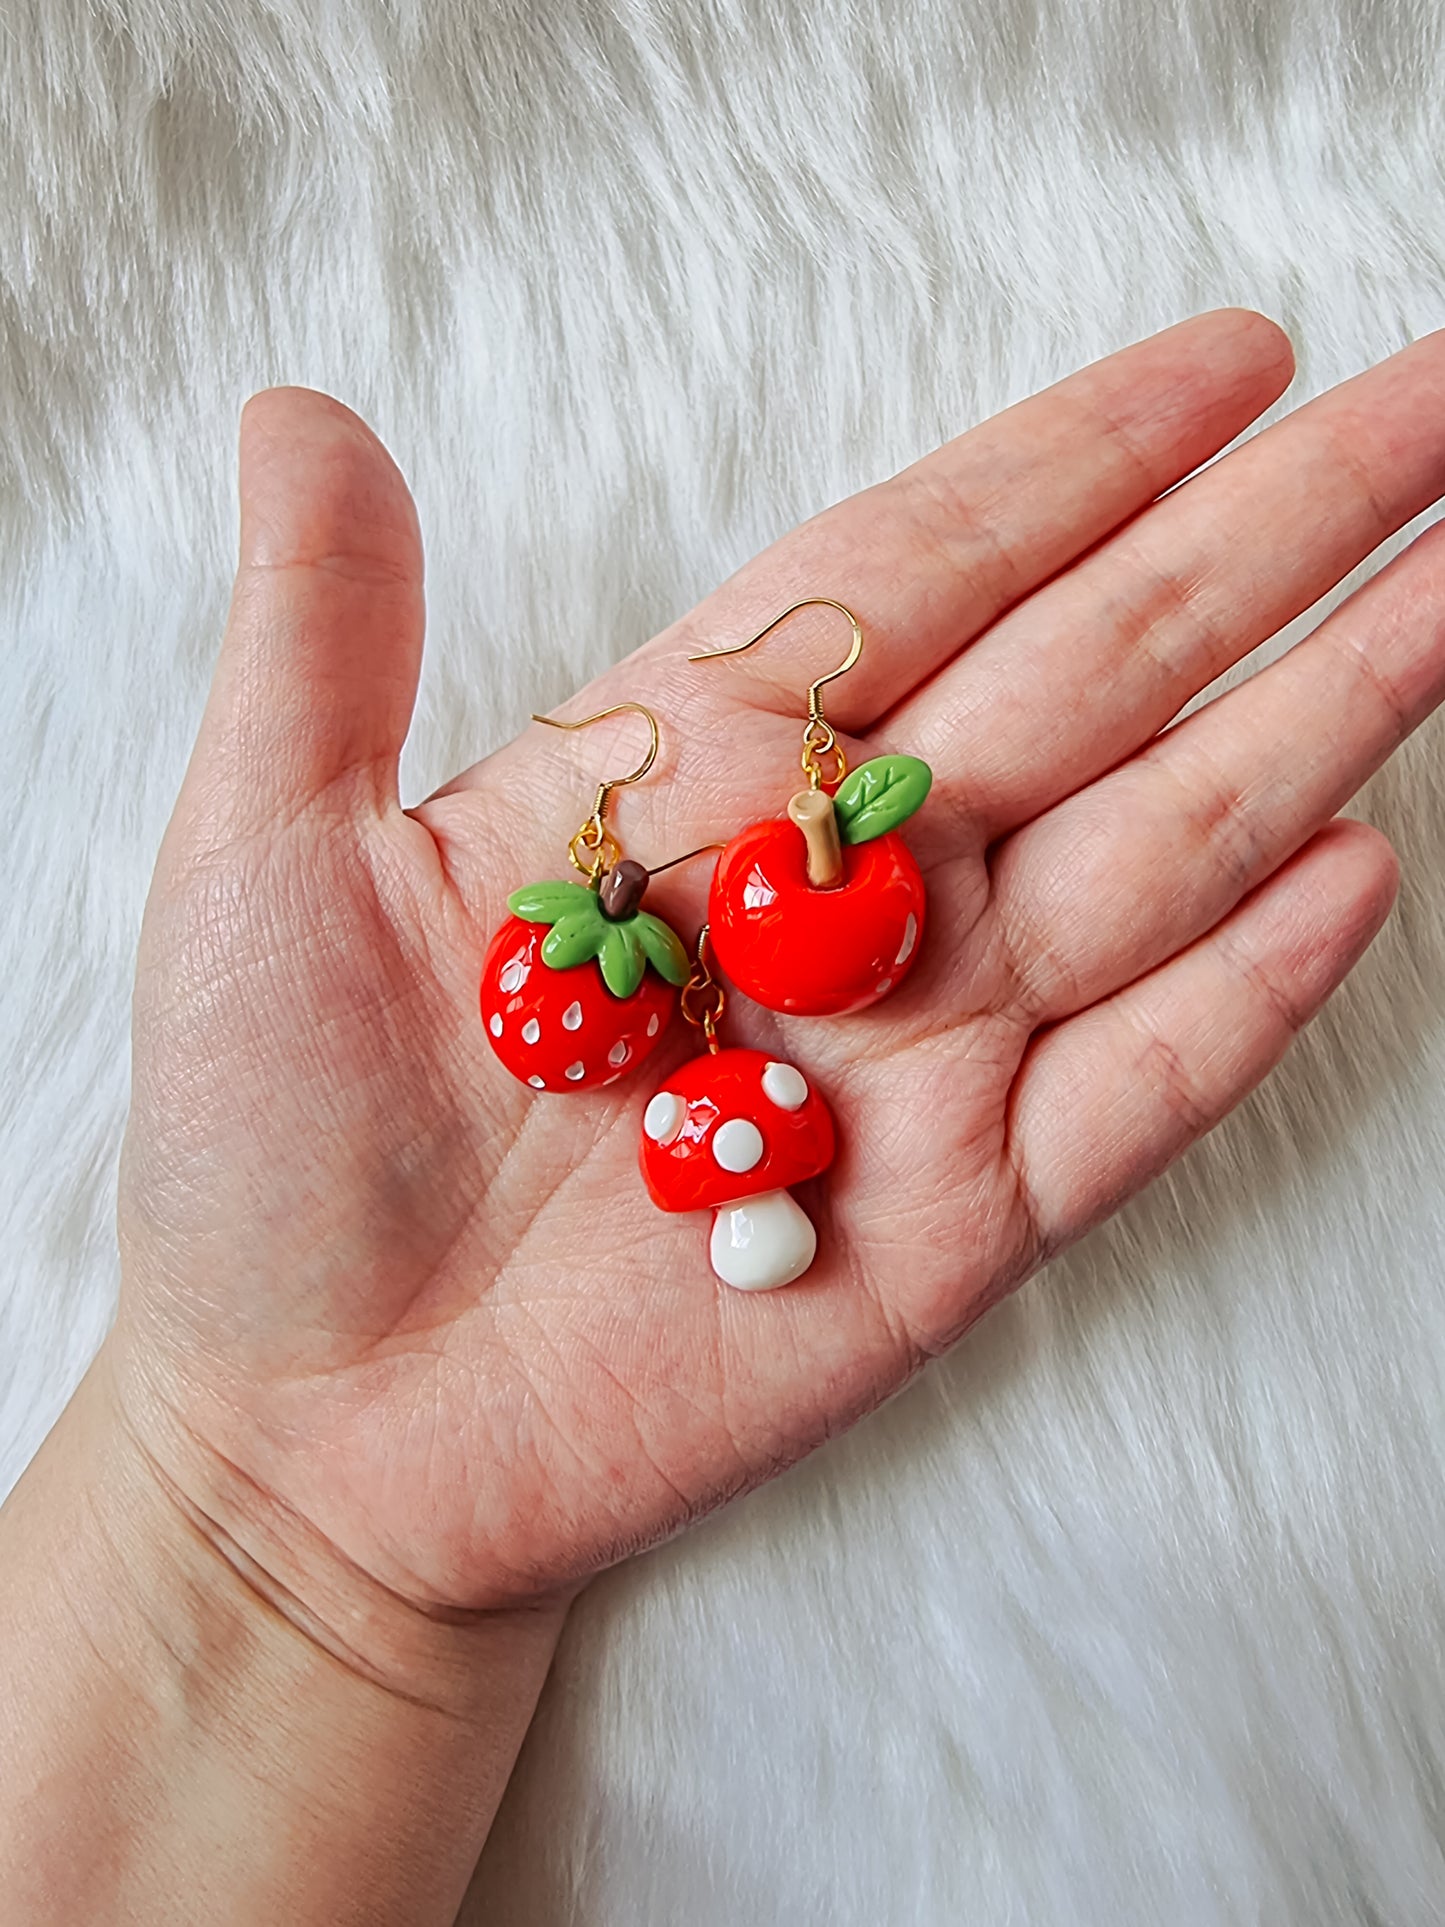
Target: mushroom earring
{"x": 731, "y": 1131}
{"x": 820, "y": 911}
{"x": 580, "y": 981}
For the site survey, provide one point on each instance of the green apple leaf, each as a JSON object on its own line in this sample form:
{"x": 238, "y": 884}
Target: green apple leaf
{"x": 663, "y": 949}
{"x": 549, "y": 902}
{"x": 877, "y": 796}
{"x": 622, "y": 958}
{"x": 572, "y": 940}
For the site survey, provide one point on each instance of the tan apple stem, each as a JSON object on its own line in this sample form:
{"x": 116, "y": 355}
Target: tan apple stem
{"x": 814, "y": 815}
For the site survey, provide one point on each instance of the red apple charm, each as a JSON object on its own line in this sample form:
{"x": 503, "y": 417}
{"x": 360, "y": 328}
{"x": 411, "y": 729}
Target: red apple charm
{"x": 821, "y": 912}
{"x": 582, "y": 1002}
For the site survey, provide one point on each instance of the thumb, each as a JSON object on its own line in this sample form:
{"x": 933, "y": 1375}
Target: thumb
{"x": 317, "y": 674}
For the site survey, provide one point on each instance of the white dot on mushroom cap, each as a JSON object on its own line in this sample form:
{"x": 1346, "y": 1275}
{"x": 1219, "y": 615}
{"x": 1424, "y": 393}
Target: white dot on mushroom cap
{"x": 537, "y": 1083}
{"x": 574, "y": 1071}
{"x": 652, "y": 1023}
{"x": 494, "y": 1023}
{"x": 619, "y": 1053}
{"x": 737, "y": 1145}
{"x": 531, "y": 1031}
{"x": 785, "y": 1086}
{"x": 572, "y": 1016}
{"x": 662, "y": 1120}
{"x": 910, "y": 937}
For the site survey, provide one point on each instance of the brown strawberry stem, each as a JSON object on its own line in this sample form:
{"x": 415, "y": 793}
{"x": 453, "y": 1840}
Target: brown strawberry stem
{"x": 621, "y": 891}
{"x": 813, "y": 812}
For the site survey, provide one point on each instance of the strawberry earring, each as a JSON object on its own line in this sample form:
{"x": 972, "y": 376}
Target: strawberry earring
{"x": 820, "y": 912}
{"x": 731, "y": 1131}
{"x": 580, "y": 981}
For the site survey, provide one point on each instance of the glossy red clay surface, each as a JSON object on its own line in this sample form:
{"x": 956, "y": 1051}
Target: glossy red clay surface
{"x": 680, "y": 1145}
{"x": 563, "y": 1030}
{"x": 809, "y": 952}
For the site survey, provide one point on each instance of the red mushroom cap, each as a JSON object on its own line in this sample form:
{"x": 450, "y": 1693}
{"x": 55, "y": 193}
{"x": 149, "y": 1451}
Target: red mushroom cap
{"x": 729, "y": 1126}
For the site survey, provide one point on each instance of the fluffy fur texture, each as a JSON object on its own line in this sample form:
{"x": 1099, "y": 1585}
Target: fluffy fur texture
{"x": 1130, "y": 1612}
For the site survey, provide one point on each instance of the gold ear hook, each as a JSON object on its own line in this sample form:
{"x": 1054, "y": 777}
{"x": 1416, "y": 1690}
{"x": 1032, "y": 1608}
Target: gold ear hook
{"x": 818, "y": 736}
{"x": 594, "y": 849}
{"x": 687, "y": 857}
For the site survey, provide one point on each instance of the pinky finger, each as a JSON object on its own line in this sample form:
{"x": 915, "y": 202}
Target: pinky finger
{"x": 1105, "y": 1101}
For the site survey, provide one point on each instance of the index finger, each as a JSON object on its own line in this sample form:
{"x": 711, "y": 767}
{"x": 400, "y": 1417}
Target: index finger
{"x": 928, "y": 559}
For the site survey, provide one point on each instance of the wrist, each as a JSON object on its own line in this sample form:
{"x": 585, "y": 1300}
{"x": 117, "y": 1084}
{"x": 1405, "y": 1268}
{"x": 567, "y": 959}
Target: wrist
{"x": 201, "y": 1510}
{"x": 176, "y": 1647}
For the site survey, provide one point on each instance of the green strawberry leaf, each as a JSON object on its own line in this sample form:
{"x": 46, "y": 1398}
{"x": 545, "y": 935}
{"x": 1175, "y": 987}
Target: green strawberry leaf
{"x": 549, "y": 902}
{"x": 661, "y": 946}
{"x": 573, "y": 939}
{"x": 622, "y": 959}
{"x": 878, "y": 796}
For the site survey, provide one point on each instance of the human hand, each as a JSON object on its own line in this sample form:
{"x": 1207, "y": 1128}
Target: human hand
{"x": 392, "y": 1319}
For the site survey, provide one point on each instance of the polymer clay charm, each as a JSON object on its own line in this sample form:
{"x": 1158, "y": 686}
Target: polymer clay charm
{"x": 580, "y": 982}
{"x": 821, "y": 911}
{"x": 731, "y": 1131}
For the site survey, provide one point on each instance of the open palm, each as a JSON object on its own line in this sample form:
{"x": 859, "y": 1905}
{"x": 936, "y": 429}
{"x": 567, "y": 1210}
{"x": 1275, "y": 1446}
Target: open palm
{"x": 435, "y": 1319}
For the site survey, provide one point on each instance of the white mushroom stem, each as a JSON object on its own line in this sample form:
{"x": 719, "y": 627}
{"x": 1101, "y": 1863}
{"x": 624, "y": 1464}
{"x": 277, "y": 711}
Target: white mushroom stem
{"x": 762, "y": 1242}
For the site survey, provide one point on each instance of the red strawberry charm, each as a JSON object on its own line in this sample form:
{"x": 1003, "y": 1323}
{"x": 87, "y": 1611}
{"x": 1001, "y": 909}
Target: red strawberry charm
{"x": 580, "y": 981}
{"x": 821, "y": 912}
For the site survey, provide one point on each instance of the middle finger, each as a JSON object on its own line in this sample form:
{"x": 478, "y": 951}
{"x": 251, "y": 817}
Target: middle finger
{"x": 1089, "y": 668}
{"x": 1114, "y": 880}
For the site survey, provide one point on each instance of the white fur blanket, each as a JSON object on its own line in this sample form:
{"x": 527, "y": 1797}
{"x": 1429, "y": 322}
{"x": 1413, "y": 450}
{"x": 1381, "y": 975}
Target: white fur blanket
{"x": 1131, "y": 1612}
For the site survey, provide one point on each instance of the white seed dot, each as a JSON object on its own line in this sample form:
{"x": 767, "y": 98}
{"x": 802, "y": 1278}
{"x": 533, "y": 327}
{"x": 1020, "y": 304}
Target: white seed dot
{"x": 737, "y": 1145}
{"x": 531, "y": 1031}
{"x": 662, "y": 1120}
{"x": 574, "y": 1071}
{"x": 537, "y": 1083}
{"x": 494, "y": 1024}
{"x": 514, "y": 975}
{"x": 785, "y": 1086}
{"x": 572, "y": 1017}
{"x": 910, "y": 937}
{"x": 619, "y": 1053}
{"x": 652, "y": 1024}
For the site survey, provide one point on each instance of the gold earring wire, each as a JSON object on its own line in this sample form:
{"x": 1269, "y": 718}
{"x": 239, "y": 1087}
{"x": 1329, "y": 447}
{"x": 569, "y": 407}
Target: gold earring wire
{"x": 599, "y": 848}
{"x": 818, "y": 736}
{"x": 687, "y": 857}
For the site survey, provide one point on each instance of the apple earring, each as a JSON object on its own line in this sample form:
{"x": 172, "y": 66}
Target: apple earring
{"x": 580, "y": 981}
{"x": 821, "y": 912}
{"x": 730, "y": 1131}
